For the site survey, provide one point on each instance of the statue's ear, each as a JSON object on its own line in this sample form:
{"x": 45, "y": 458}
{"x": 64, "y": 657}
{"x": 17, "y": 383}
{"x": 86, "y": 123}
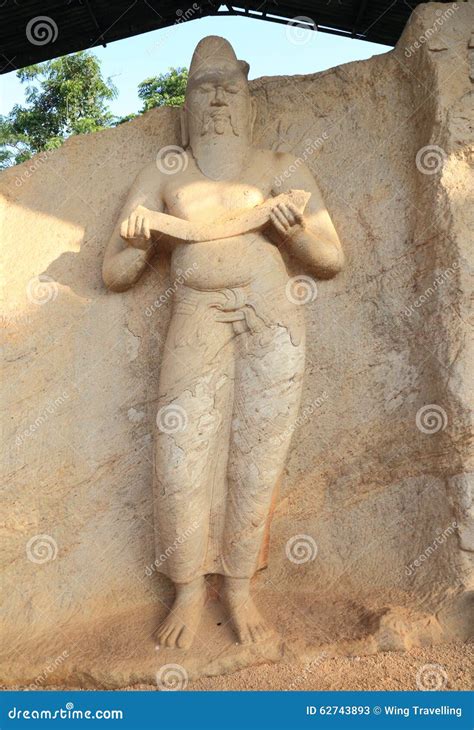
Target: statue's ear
{"x": 253, "y": 114}
{"x": 244, "y": 67}
{"x": 184, "y": 127}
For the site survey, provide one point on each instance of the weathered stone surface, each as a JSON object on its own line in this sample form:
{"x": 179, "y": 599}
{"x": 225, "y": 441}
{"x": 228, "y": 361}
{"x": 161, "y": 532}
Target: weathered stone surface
{"x": 380, "y": 485}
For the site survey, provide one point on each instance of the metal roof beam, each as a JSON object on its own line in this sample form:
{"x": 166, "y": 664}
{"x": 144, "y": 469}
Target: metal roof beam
{"x": 96, "y": 22}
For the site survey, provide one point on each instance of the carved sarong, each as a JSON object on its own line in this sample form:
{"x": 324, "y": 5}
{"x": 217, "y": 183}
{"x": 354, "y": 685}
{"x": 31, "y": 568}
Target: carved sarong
{"x": 229, "y": 392}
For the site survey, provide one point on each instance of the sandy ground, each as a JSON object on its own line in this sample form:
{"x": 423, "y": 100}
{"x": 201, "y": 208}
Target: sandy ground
{"x": 453, "y": 670}
{"x": 449, "y": 667}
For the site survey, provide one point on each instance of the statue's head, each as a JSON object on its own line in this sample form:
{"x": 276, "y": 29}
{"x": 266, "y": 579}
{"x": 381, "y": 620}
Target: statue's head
{"x": 218, "y": 100}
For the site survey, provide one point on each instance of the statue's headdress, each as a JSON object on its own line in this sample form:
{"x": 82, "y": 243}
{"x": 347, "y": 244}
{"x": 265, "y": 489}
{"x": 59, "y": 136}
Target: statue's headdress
{"x": 212, "y": 54}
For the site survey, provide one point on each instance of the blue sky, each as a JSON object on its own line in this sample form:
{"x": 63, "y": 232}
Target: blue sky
{"x": 270, "y": 48}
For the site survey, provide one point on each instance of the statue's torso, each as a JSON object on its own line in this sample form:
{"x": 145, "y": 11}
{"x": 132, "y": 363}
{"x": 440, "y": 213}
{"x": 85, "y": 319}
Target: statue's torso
{"x": 250, "y": 258}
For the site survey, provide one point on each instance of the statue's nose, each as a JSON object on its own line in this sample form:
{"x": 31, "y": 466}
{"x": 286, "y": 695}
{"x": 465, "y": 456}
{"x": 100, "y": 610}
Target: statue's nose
{"x": 219, "y": 97}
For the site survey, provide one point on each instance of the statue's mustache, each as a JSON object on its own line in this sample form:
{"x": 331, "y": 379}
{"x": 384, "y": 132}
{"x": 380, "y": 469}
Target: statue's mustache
{"x": 210, "y": 120}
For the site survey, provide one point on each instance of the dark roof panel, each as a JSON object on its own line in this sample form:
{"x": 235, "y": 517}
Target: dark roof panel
{"x": 37, "y": 30}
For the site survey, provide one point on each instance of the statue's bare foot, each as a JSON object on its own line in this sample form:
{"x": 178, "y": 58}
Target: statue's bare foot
{"x": 179, "y": 627}
{"x": 248, "y": 623}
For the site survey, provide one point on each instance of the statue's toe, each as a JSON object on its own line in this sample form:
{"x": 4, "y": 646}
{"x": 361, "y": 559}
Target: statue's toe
{"x": 185, "y": 638}
{"x": 173, "y": 635}
{"x": 162, "y": 632}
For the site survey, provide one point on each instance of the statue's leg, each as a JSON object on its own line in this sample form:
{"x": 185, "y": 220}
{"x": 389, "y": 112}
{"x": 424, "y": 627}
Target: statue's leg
{"x": 195, "y": 396}
{"x": 268, "y": 382}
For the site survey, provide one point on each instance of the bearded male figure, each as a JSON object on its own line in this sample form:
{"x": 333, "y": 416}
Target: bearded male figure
{"x": 232, "y": 368}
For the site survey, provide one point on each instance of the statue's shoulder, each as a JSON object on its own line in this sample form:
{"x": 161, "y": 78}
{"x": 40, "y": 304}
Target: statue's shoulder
{"x": 148, "y": 172}
{"x": 150, "y": 177}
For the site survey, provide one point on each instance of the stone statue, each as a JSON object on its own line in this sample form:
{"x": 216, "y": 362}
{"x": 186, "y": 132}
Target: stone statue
{"x": 233, "y": 362}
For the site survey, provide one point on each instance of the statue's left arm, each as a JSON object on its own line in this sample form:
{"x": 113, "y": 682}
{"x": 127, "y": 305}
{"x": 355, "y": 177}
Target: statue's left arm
{"x": 311, "y": 236}
{"x": 126, "y": 257}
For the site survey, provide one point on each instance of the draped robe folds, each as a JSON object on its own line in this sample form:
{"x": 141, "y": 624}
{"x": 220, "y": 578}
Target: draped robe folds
{"x": 229, "y": 393}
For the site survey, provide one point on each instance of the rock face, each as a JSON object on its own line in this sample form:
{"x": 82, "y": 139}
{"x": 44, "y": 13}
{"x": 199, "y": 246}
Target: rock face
{"x": 373, "y": 533}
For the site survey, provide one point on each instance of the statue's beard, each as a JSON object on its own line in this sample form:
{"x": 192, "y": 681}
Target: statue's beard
{"x": 218, "y": 124}
{"x": 218, "y": 144}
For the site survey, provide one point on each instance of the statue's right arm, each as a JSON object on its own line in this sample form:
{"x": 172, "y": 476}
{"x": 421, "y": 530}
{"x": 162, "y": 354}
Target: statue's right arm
{"x": 123, "y": 264}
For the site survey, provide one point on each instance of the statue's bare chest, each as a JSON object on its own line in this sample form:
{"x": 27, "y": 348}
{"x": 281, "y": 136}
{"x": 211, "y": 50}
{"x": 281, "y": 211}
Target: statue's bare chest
{"x": 200, "y": 199}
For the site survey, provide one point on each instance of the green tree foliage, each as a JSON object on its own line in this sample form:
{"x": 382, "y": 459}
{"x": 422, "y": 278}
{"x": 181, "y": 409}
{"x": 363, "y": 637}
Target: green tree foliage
{"x": 63, "y": 97}
{"x": 166, "y": 89}
{"x": 69, "y": 96}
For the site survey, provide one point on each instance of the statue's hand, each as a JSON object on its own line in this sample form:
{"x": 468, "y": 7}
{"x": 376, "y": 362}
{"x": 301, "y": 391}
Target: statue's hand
{"x": 136, "y": 229}
{"x": 287, "y": 221}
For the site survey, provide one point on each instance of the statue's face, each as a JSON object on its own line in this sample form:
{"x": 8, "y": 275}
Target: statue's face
{"x": 218, "y": 103}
